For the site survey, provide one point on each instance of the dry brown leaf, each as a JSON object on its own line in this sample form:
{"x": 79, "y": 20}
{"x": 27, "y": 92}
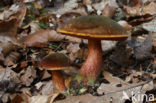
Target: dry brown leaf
{"x": 46, "y": 75}
{"x": 68, "y": 16}
{"x": 8, "y": 75}
{"x": 150, "y": 9}
{"x": 20, "y": 98}
{"x": 68, "y": 6}
{"x": 17, "y": 99}
{"x": 73, "y": 39}
{"x": 150, "y": 26}
{"x": 12, "y": 58}
{"x": 87, "y": 2}
{"x": 108, "y": 11}
{"x": 47, "y": 88}
{"x": 5, "y": 49}
{"x": 16, "y": 11}
{"x": 72, "y": 50}
{"x": 124, "y": 24}
{"x": 43, "y": 98}
{"x": 142, "y": 46}
{"x": 23, "y": 64}
{"x": 20, "y": 15}
{"x": 29, "y": 76}
{"x": 139, "y": 9}
{"x": 8, "y": 30}
{"x": 41, "y": 37}
{"x": 34, "y": 27}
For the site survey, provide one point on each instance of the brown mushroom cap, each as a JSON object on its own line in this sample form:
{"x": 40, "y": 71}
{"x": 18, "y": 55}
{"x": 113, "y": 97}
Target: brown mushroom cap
{"x": 55, "y": 61}
{"x": 94, "y": 27}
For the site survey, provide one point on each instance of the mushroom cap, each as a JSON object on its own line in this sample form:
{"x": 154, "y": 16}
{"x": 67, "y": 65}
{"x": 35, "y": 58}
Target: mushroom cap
{"x": 94, "y": 27}
{"x": 55, "y": 61}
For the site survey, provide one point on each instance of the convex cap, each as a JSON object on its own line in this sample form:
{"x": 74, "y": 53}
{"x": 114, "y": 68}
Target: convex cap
{"x": 55, "y": 61}
{"x": 94, "y": 27}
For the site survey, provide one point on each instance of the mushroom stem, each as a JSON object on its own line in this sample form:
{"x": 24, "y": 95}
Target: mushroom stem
{"x": 58, "y": 80}
{"x": 93, "y": 63}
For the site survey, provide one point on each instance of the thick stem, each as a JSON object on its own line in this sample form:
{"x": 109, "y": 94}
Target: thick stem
{"x": 93, "y": 63}
{"x": 58, "y": 81}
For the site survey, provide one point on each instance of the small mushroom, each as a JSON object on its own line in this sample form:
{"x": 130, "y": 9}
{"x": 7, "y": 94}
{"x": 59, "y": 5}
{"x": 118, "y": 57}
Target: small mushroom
{"x": 56, "y": 62}
{"x": 94, "y": 28}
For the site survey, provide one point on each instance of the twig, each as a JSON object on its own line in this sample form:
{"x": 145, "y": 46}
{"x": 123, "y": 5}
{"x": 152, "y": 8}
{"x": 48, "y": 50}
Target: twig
{"x": 141, "y": 84}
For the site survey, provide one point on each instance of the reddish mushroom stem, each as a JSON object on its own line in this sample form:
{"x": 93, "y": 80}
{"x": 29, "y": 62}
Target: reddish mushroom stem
{"x": 58, "y": 80}
{"x": 93, "y": 63}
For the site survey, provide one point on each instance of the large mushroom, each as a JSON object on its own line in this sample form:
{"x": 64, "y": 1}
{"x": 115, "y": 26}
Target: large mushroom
{"x": 94, "y": 28}
{"x": 56, "y": 62}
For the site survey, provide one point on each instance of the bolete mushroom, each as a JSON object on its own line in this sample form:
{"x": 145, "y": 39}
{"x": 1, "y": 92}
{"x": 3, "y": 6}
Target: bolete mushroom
{"x": 56, "y": 62}
{"x": 94, "y": 28}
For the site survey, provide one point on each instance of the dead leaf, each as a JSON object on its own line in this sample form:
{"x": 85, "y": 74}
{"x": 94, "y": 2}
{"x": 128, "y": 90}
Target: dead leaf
{"x": 150, "y": 26}
{"x": 41, "y": 37}
{"x": 73, "y": 39}
{"x": 121, "y": 55}
{"x": 20, "y": 98}
{"x": 8, "y": 74}
{"x": 124, "y": 24}
{"x": 72, "y": 50}
{"x": 15, "y": 11}
{"x": 23, "y": 64}
{"x": 139, "y": 9}
{"x": 43, "y": 98}
{"x": 8, "y": 30}
{"x": 68, "y": 16}
{"x": 108, "y": 11}
{"x": 34, "y": 27}
{"x": 47, "y": 88}
{"x": 68, "y": 6}
{"x": 5, "y": 49}
{"x": 20, "y": 15}
{"x": 28, "y": 77}
{"x": 46, "y": 75}
{"x": 12, "y": 58}
{"x": 149, "y": 9}
{"x": 142, "y": 46}
{"x": 17, "y": 99}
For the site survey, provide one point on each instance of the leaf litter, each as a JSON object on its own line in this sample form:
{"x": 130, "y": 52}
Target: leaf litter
{"x": 28, "y": 33}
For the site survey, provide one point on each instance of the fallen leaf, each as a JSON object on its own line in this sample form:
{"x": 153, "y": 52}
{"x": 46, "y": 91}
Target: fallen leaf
{"x": 108, "y": 11}
{"x": 23, "y": 64}
{"x": 140, "y": 9}
{"x": 68, "y": 6}
{"x": 17, "y": 99}
{"x": 68, "y": 16}
{"x": 41, "y": 37}
{"x": 47, "y": 88}
{"x": 124, "y": 24}
{"x": 38, "y": 85}
{"x": 28, "y": 77}
{"x": 73, "y": 39}
{"x": 150, "y": 26}
{"x": 5, "y": 49}
{"x": 142, "y": 46}
{"x": 12, "y": 58}
{"x": 8, "y": 74}
{"x": 43, "y": 98}
{"x": 8, "y": 30}
{"x": 122, "y": 55}
{"x": 46, "y": 75}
